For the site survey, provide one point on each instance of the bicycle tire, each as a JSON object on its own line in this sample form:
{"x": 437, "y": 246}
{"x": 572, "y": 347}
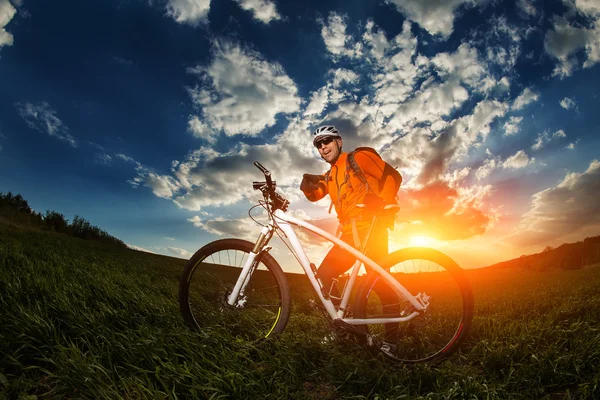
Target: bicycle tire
{"x": 432, "y": 336}
{"x": 208, "y": 278}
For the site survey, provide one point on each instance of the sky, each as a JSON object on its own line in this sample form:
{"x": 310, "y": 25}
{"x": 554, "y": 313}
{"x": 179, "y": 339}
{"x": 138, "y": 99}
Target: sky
{"x": 145, "y": 116}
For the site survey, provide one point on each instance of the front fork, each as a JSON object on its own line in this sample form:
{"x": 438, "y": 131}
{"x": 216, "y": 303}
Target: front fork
{"x": 250, "y": 266}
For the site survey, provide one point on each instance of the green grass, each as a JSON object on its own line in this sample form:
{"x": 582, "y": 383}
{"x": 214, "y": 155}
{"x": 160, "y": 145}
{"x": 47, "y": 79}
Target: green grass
{"x": 80, "y": 319}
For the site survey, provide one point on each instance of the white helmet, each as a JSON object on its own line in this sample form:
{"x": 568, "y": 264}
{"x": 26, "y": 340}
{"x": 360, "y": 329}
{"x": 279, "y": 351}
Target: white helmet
{"x": 325, "y": 131}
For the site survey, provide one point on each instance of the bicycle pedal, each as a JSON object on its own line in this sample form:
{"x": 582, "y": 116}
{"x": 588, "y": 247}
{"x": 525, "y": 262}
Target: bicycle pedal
{"x": 388, "y": 348}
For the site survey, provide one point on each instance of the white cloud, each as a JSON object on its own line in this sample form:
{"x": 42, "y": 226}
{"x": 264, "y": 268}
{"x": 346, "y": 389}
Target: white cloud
{"x": 590, "y": 7}
{"x": 503, "y": 43}
{"x": 540, "y": 141}
{"x": 511, "y": 127}
{"x": 128, "y": 159}
{"x": 565, "y": 40}
{"x": 376, "y": 40}
{"x": 429, "y": 104}
{"x": 182, "y": 253}
{"x": 243, "y": 228}
{"x": 527, "y": 7}
{"x": 528, "y": 96}
{"x": 133, "y": 247}
{"x": 394, "y": 83}
{"x": 211, "y": 178}
{"x": 42, "y": 117}
{"x": 318, "y": 102}
{"x": 486, "y": 169}
{"x": 559, "y": 134}
{"x": 436, "y": 17}
{"x": 241, "y": 93}
{"x": 334, "y": 35}
{"x": 477, "y": 125}
{"x": 191, "y": 12}
{"x": 103, "y": 158}
{"x": 263, "y": 10}
{"x": 464, "y": 64}
{"x": 201, "y": 130}
{"x": 568, "y": 103}
{"x": 544, "y": 138}
{"x": 342, "y": 75}
{"x": 518, "y": 160}
{"x": 572, "y": 206}
{"x": 571, "y": 146}
{"x": 7, "y": 12}
{"x": 163, "y": 186}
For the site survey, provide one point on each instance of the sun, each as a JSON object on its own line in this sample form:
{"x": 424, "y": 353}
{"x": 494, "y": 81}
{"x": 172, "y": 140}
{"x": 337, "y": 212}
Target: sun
{"x": 421, "y": 241}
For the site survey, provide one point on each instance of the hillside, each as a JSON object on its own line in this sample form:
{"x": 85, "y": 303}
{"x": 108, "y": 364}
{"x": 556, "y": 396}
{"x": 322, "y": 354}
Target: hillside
{"x": 85, "y": 319}
{"x": 566, "y": 256}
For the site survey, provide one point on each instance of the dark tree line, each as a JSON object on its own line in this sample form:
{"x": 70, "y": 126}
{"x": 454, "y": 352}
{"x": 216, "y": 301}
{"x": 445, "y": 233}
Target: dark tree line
{"x": 16, "y": 209}
{"x": 566, "y": 256}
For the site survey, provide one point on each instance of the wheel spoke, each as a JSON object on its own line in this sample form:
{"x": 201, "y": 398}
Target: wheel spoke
{"x": 263, "y": 309}
{"x": 422, "y": 338}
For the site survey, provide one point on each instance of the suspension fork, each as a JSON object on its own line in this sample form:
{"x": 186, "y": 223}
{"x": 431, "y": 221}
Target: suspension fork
{"x": 251, "y": 263}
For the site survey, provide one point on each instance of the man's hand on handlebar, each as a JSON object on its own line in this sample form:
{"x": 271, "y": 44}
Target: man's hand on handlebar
{"x": 310, "y": 182}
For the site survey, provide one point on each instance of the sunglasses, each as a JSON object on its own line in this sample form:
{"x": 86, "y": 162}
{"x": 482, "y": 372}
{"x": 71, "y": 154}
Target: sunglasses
{"x": 325, "y": 141}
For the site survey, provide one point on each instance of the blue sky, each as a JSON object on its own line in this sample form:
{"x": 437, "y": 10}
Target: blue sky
{"x": 145, "y": 116}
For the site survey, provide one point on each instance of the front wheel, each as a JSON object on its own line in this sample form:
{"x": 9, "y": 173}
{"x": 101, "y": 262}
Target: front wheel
{"x": 434, "y": 334}
{"x": 209, "y": 277}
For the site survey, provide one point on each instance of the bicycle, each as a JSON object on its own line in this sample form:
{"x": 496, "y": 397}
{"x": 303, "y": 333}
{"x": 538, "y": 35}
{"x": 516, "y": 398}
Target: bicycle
{"x": 236, "y": 287}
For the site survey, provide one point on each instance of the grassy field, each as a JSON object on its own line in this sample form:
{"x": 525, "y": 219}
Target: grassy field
{"x": 80, "y": 319}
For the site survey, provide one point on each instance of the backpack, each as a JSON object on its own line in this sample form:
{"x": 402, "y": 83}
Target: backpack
{"x": 353, "y": 167}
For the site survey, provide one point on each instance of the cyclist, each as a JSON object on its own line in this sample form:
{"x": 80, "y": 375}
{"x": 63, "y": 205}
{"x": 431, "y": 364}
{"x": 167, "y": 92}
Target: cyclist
{"x": 347, "y": 190}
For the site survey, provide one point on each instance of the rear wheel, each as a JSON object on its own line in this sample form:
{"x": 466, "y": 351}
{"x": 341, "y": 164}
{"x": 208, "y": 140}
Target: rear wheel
{"x": 208, "y": 279}
{"x": 436, "y": 333}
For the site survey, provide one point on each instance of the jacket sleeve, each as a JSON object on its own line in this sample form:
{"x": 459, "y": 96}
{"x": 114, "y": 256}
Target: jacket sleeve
{"x": 374, "y": 166}
{"x": 314, "y": 187}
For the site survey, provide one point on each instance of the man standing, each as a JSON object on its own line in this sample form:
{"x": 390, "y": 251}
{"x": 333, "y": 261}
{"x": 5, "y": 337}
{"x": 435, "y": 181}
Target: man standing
{"x": 378, "y": 185}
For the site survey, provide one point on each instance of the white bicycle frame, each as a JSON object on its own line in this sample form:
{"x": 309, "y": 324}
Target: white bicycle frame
{"x": 284, "y": 222}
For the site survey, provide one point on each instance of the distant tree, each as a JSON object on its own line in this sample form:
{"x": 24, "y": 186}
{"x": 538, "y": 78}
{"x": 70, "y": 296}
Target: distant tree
{"x": 82, "y": 228}
{"x": 79, "y": 227}
{"x": 14, "y": 206}
{"x": 56, "y": 222}
{"x": 547, "y": 248}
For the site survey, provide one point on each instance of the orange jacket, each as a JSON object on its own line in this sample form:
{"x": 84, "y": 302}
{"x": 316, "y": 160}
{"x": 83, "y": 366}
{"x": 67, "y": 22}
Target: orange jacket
{"x": 346, "y": 192}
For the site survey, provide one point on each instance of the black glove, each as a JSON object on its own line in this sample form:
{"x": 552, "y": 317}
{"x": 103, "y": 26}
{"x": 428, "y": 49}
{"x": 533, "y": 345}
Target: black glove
{"x": 310, "y": 182}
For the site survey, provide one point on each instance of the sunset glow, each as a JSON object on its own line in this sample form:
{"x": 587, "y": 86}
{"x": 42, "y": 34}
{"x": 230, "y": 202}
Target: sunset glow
{"x": 421, "y": 241}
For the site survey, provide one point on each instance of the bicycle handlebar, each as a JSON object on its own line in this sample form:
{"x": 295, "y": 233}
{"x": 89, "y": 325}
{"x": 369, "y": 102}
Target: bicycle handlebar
{"x": 260, "y": 166}
{"x": 267, "y": 175}
{"x": 279, "y": 202}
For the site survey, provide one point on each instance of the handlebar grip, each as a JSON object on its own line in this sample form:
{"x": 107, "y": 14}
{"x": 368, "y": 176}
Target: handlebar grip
{"x": 267, "y": 174}
{"x": 259, "y": 166}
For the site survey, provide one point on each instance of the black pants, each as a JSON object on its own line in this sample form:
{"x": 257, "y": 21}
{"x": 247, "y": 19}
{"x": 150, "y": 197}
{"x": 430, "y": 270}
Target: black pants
{"x": 338, "y": 260}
